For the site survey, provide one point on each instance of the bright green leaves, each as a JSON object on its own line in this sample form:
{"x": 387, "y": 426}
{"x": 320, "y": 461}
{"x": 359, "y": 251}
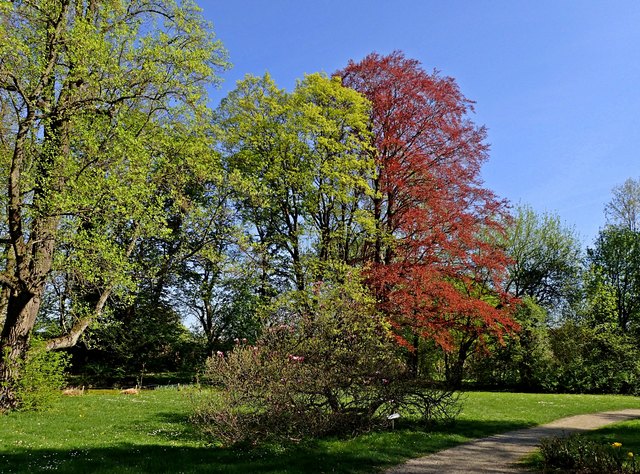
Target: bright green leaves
{"x": 545, "y": 257}
{"x": 302, "y": 162}
{"x": 613, "y": 283}
{"x": 105, "y": 137}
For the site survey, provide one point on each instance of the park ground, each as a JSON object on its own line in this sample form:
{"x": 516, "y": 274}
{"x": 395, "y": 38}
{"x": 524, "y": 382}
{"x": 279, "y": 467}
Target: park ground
{"x": 105, "y": 431}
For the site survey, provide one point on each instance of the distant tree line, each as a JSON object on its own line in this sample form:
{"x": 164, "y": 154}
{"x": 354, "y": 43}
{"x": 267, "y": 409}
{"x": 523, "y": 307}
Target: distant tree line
{"x": 580, "y": 311}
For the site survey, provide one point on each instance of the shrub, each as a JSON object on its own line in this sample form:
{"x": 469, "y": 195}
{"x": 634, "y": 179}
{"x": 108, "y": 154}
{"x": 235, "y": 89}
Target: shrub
{"x": 577, "y": 454}
{"x": 333, "y": 368}
{"x": 42, "y": 377}
{"x": 595, "y": 360}
{"x": 521, "y": 360}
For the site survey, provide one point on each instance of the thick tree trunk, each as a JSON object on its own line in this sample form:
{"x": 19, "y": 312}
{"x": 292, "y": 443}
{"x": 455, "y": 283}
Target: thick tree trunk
{"x": 22, "y": 310}
{"x": 454, "y": 365}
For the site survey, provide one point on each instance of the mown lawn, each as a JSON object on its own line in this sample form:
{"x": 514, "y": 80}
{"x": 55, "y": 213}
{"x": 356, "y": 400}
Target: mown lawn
{"x": 626, "y": 432}
{"x": 104, "y": 431}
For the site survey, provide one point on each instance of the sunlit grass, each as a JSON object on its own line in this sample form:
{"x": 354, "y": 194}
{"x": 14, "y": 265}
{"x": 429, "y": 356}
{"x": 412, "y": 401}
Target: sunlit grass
{"x": 627, "y": 433}
{"x": 105, "y": 431}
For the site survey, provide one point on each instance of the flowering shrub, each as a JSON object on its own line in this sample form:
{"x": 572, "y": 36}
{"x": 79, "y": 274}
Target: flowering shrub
{"x": 578, "y": 454}
{"x": 332, "y": 368}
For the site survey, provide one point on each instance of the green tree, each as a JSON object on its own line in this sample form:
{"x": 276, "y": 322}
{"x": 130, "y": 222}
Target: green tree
{"x": 301, "y": 164}
{"x": 523, "y": 359}
{"x": 598, "y": 359}
{"x": 107, "y": 102}
{"x": 615, "y": 272}
{"x": 545, "y": 257}
{"x": 624, "y": 208}
{"x": 219, "y": 291}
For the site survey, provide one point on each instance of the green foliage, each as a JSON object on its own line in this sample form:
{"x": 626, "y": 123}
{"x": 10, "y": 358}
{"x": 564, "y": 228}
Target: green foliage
{"x": 134, "y": 341}
{"x": 578, "y": 454}
{"x": 522, "y": 360}
{"x": 333, "y": 368}
{"x": 219, "y": 290}
{"x": 546, "y": 257}
{"x": 300, "y": 163}
{"x": 624, "y": 208}
{"x": 595, "y": 360}
{"x": 614, "y": 280}
{"x": 42, "y": 377}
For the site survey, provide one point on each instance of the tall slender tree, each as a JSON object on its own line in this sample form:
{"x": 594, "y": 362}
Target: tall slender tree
{"x": 624, "y": 208}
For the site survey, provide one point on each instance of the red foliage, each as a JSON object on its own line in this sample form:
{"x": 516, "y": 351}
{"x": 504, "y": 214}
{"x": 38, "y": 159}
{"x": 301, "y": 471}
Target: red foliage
{"x": 442, "y": 269}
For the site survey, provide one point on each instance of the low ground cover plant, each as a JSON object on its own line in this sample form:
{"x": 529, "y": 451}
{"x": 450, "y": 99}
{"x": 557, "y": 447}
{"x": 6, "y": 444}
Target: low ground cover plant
{"x": 580, "y": 454}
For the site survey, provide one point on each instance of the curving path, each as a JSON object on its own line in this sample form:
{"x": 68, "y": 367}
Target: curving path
{"x": 500, "y": 453}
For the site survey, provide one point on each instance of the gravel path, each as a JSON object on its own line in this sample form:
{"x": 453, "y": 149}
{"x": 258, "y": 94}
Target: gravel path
{"x": 499, "y": 453}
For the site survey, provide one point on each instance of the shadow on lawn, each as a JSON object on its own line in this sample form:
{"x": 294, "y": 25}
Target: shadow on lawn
{"x": 366, "y": 453}
{"x": 129, "y": 458}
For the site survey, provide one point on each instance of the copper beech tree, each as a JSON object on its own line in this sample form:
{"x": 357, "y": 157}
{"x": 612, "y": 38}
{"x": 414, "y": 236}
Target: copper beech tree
{"x": 434, "y": 261}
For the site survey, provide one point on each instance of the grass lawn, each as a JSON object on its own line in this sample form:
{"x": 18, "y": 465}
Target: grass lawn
{"x": 626, "y": 432}
{"x": 104, "y": 431}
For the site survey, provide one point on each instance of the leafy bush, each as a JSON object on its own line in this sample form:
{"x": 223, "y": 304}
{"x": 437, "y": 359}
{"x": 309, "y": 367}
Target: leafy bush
{"x": 333, "y": 368}
{"x": 578, "y": 454}
{"x": 42, "y": 377}
{"x": 595, "y": 360}
{"x": 521, "y": 360}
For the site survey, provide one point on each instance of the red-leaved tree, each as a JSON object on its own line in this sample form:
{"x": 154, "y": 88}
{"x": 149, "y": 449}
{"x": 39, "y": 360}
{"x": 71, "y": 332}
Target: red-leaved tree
{"x": 434, "y": 263}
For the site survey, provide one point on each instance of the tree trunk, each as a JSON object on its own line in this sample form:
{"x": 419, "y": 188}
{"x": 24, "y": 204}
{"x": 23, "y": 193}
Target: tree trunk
{"x": 454, "y": 365}
{"x": 22, "y": 310}
{"x": 414, "y": 358}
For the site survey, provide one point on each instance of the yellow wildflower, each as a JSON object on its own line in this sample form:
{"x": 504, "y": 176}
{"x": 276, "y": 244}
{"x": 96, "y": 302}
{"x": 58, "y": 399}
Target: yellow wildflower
{"x": 630, "y": 454}
{"x": 616, "y": 444}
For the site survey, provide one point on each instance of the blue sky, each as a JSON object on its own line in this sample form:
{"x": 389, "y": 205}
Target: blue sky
{"x": 557, "y": 83}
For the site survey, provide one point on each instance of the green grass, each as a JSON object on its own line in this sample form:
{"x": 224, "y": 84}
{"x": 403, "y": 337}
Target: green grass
{"x": 626, "y": 432}
{"x": 107, "y": 432}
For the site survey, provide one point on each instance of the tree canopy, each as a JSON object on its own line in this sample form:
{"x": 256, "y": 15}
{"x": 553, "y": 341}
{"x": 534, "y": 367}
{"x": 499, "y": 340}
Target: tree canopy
{"x": 103, "y": 107}
{"x": 545, "y": 257}
{"x": 434, "y": 264}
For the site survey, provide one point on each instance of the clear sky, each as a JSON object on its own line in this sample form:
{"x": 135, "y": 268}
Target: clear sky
{"x": 556, "y": 82}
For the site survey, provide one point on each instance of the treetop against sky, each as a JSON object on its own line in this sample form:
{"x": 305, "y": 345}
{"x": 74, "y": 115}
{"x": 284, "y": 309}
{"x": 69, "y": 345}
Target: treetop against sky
{"x": 554, "y": 82}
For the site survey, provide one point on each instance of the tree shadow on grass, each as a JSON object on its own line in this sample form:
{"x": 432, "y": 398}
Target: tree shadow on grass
{"x": 480, "y": 429}
{"x": 181, "y": 427}
{"x": 130, "y": 458}
{"x": 626, "y": 433}
{"x": 365, "y": 453}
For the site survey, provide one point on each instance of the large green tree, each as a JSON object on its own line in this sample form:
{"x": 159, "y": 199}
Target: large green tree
{"x": 300, "y": 163}
{"x": 103, "y": 103}
{"x": 545, "y": 257}
{"x": 613, "y": 283}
